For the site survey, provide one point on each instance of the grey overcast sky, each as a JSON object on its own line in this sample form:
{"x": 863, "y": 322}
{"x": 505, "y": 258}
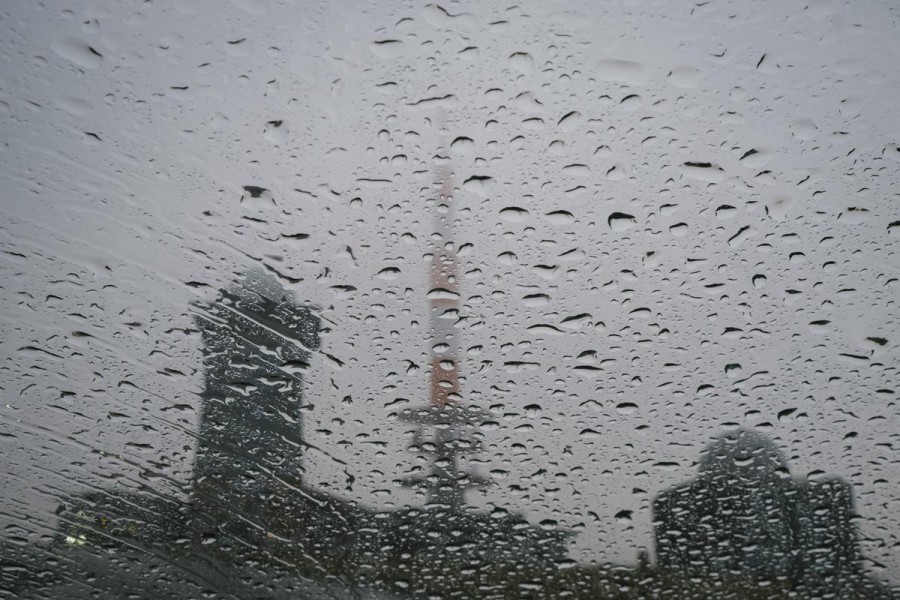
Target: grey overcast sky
{"x": 758, "y": 291}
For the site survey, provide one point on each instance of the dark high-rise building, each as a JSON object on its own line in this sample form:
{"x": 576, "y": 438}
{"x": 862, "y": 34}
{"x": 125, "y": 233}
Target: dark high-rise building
{"x": 746, "y": 516}
{"x": 257, "y": 343}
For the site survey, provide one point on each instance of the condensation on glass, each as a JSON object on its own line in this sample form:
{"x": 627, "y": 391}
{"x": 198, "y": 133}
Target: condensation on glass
{"x": 461, "y": 300}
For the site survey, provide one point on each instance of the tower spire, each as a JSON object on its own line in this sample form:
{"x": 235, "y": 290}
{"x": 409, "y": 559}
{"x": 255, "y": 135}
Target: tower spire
{"x": 443, "y": 297}
{"x": 444, "y": 425}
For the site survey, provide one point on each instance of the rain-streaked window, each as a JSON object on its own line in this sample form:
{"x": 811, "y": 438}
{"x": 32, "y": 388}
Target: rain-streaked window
{"x": 410, "y": 300}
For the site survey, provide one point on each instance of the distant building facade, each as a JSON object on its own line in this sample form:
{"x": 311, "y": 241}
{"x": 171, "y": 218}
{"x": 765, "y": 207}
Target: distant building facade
{"x": 257, "y": 344}
{"x": 745, "y": 515}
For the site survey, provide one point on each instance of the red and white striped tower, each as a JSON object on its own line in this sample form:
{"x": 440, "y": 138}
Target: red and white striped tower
{"x": 445, "y": 424}
{"x": 443, "y": 298}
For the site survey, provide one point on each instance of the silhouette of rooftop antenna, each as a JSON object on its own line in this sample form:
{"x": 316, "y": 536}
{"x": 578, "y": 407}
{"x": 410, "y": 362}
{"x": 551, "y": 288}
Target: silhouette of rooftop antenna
{"x": 444, "y": 422}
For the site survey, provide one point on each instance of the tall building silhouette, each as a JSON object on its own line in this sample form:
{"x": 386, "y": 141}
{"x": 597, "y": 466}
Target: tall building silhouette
{"x": 745, "y": 515}
{"x": 257, "y": 343}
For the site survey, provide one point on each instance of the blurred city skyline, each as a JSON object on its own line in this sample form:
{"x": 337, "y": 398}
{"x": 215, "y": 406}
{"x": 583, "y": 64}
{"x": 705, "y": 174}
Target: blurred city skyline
{"x": 755, "y": 292}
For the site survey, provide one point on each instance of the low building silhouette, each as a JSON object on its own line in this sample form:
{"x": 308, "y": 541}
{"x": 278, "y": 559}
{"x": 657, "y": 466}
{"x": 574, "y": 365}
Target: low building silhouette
{"x": 745, "y": 515}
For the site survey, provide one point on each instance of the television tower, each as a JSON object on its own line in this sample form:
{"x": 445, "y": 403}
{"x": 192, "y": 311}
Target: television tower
{"x": 445, "y": 425}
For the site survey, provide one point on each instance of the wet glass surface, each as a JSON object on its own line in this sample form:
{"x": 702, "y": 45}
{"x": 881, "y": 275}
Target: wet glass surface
{"x": 463, "y": 300}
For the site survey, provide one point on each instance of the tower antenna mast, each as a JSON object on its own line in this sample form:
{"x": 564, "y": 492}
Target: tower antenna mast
{"x": 448, "y": 420}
